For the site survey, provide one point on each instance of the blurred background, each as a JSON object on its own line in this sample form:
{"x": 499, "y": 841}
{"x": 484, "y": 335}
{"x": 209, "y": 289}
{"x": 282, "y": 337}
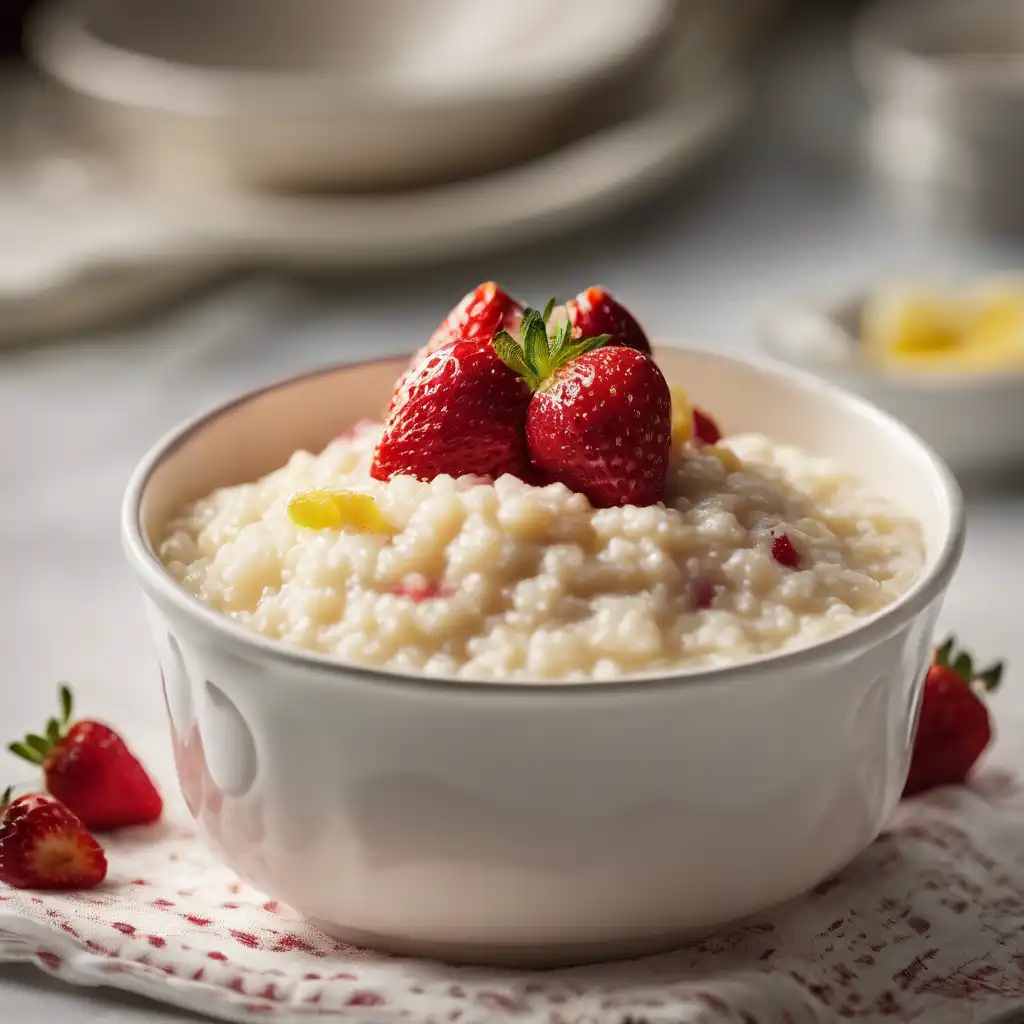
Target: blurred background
{"x": 199, "y": 196}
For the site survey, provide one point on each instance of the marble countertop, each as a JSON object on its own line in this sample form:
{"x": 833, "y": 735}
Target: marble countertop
{"x": 783, "y": 214}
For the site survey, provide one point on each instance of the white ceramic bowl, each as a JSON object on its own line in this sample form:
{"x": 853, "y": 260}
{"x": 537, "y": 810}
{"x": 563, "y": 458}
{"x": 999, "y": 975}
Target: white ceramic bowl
{"x": 538, "y": 825}
{"x": 973, "y": 420}
{"x": 335, "y": 92}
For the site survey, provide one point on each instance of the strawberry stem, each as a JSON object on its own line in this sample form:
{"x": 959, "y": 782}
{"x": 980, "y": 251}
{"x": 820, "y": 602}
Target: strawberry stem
{"x": 535, "y": 343}
{"x": 35, "y": 748}
{"x": 538, "y": 358}
{"x": 963, "y": 666}
{"x": 960, "y": 662}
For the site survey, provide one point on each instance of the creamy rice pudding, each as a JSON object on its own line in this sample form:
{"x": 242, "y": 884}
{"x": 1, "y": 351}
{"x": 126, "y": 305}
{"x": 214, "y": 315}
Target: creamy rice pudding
{"x": 755, "y": 548}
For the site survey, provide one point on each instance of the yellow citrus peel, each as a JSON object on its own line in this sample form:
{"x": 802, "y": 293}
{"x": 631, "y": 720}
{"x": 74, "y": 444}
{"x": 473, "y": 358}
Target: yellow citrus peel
{"x": 682, "y": 417}
{"x": 335, "y": 510}
{"x": 730, "y": 461}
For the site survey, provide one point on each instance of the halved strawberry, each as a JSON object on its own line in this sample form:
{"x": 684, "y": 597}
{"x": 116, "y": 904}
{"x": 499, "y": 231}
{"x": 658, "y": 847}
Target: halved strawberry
{"x": 478, "y": 316}
{"x": 44, "y": 846}
{"x": 953, "y": 728}
{"x": 594, "y": 312}
{"x": 89, "y": 768}
{"x": 599, "y": 420}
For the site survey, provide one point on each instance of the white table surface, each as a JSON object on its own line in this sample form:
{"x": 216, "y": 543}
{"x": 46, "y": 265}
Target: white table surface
{"x": 783, "y": 215}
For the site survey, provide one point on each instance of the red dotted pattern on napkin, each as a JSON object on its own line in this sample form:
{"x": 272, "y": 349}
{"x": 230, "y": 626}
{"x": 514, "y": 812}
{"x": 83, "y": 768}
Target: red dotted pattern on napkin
{"x": 927, "y": 925}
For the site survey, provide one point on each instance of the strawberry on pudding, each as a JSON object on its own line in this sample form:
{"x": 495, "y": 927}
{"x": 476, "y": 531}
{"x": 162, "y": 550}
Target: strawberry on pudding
{"x": 539, "y": 504}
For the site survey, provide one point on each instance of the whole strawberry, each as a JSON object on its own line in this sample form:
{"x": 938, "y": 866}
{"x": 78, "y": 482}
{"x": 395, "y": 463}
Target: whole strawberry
{"x": 479, "y": 315}
{"x": 600, "y": 419}
{"x": 594, "y": 312}
{"x": 89, "y": 768}
{"x": 953, "y": 729}
{"x": 461, "y": 411}
{"x": 44, "y": 846}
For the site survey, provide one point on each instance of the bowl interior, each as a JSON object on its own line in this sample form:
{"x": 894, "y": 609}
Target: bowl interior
{"x": 387, "y": 44}
{"x": 258, "y": 433}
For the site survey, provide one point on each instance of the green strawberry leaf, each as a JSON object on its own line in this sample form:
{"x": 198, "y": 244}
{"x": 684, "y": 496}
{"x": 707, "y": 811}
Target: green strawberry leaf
{"x": 53, "y": 732}
{"x": 6, "y": 798}
{"x": 943, "y": 652}
{"x": 582, "y": 346}
{"x": 963, "y": 666}
{"x": 991, "y": 677}
{"x": 563, "y": 336}
{"x": 26, "y": 753}
{"x": 539, "y": 356}
{"x": 534, "y": 333}
{"x": 510, "y": 352}
{"x": 66, "y": 703}
{"x": 548, "y": 308}
{"x": 37, "y": 743}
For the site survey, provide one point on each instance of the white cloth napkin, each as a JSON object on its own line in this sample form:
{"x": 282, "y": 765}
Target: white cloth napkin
{"x": 927, "y": 925}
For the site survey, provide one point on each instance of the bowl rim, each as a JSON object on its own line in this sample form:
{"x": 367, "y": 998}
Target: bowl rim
{"x": 59, "y": 39}
{"x": 872, "y": 630}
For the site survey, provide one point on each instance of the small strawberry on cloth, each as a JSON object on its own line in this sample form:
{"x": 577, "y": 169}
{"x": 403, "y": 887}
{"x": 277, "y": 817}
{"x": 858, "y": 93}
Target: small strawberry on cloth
{"x": 927, "y": 925}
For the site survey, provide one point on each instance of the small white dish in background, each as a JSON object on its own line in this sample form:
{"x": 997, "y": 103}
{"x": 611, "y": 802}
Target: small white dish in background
{"x": 973, "y": 419}
{"x": 538, "y": 824}
{"x": 336, "y": 93}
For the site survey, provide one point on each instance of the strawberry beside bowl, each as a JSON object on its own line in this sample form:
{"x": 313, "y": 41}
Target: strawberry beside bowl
{"x": 538, "y": 824}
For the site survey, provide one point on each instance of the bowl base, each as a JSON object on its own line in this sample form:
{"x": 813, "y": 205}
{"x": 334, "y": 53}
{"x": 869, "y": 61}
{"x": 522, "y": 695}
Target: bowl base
{"x": 535, "y": 956}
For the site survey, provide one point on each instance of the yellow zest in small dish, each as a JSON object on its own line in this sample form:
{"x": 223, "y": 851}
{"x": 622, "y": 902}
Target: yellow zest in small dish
{"x": 682, "y": 417}
{"x": 982, "y": 328}
{"x": 335, "y": 510}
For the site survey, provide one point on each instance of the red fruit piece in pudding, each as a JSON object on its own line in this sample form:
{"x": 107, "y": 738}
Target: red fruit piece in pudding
{"x": 460, "y": 412}
{"x": 418, "y": 588}
{"x": 784, "y": 553}
{"x": 705, "y": 429}
{"x": 357, "y": 427}
{"x": 703, "y": 591}
{"x": 594, "y": 312}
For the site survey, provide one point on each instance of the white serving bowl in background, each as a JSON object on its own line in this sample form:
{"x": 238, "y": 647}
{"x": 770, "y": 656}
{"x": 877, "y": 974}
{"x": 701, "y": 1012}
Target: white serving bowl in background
{"x": 552, "y": 823}
{"x": 946, "y": 83}
{"x": 335, "y": 93}
{"x": 972, "y": 419}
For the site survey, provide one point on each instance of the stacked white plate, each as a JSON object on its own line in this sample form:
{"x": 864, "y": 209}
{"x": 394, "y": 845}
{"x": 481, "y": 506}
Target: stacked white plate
{"x": 211, "y": 133}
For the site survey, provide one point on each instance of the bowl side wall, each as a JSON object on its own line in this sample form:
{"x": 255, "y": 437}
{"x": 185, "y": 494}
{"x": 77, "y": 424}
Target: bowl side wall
{"x": 499, "y": 824}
